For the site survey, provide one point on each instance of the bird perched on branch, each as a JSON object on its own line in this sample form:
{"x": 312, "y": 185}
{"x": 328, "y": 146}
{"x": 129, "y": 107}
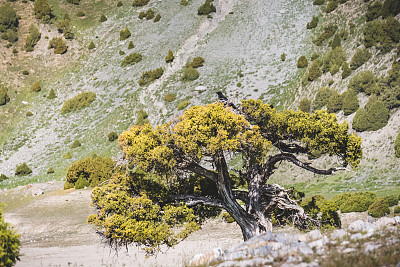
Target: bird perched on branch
{"x": 224, "y": 100}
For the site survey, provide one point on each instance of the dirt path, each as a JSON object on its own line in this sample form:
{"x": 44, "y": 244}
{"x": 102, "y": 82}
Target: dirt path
{"x": 54, "y": 232}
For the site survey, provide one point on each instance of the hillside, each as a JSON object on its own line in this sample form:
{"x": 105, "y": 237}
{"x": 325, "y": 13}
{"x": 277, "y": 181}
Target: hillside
{"x": 241, "y": 43}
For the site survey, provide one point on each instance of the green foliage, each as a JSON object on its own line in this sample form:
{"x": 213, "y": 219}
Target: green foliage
{"x": 302, "y": 62}
{"x": 50, "y": 171}
{"x": 121, "y": 53}
{"x": 9, "y": 244}
{"x": 25, "y": 72}
{"x": 190, "y": 74}
{"x": 131, "y": 59}
{"x": 142, "y": 118}
{"x": 379, "y": 208}
{"x": 138, "y": 3}
{"x": 305, "y": 105}
{"x": 67, "y": 155}
{"x": 157, "y": 18}
{"x": 364, "y": 82}
{"x": 80, "y": 101}
{"x": 119, "y": 4}
{"x": 227, "y": 217}
{"x": 150, "y": 76}
{"x": 283, "y": 56}
{"x": 336, "y": 41}
{"x": 184, "y": 2}
{"x": 397, "y": 210}
{"x": 318, "y": 2}
{"x": 64, "y": 27}
{"x": 91, "y": 46}
{"x": 23, "y": 169}
{"x": 124, "y": 34}
{"x": 43, "y": 10}
{"x": 350, "y": 102}
{"x": 112, "y": 136}
{"x": 3, "y": 177}
{"x": 331, "y": 6}
{"x": 196, "y": 63}
{"x": 322, "y": 97}
{"x": 8, "y": 18}
{"x": 314, "y": 72}
{"x": 392, "y": 200}
{"x": 103, "y": 18}
{"x": 328, "y": 32}
{"x": 58, "y": 44}
{"x": 360, "y": 57}
{"x": 313, "y": 23}
{"x": 183, "y": 104}
{"x": 81, "y": 183}
{"x": 336, "y": 57}
{"x": 32, "y": 39}
{"x": 334, "y": 69}
{"x": 354, "y": 202}
{"x": 29, "y": 114}
{"x": 131, "y": 45}
{"x": 80, "y": 13}
{"x": 207, "y": 8}
{"x": 335, "y": 102}
{"x": 11, "y": 36}
{"x": 36, "y": 87}
{"x": 346, "y": 71}
{"x": 75, "y": 144}
{"x": 374, "y": 11}
{"x": 170, "y": 57}
{"x": 4, "y": 98}
{"x": 317, "y": 207}
{"x": 397, "y": 146}
{"x": 390, "y": 8}
{"x": 75, "y": 2}
{"x": 93, "y": 170}
{"x": 52, "y": 94}
{"x": 170, "y": 97}
{"x": 149, "y": 14}
{"x": 371, "y": 118}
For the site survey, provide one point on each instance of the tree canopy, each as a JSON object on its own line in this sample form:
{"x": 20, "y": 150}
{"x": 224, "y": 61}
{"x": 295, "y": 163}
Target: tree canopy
{"x": 181, "y": 168}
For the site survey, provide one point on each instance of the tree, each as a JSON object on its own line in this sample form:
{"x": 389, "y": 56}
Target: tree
{"x": 91, "y": 46}
{"x": 9, "y": 244}
{"x": 397, "y": 146}
{"x": 302, "y": 62}
{"x": 207, "y": 8}
{"x": 32, "y": 39}
{"x": 188, "y": 161}
{"x": 350, "y": 102}
{"x": 43, "y": 10}
{"x": 8, "y": 18}
{"x": 4, "y": 98}
{"x": 170, "y": 57}
{"x": 58, "y": 44}
{"x": 305, "y": 105}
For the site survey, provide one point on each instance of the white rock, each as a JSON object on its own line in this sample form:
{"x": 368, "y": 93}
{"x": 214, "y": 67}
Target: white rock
{"x": 344, "y": 243}
{"x": 319, "y": 243}
{"x": 356, "y": 236}
{"x": 349, "y": 250}
{"x": 359, "y": 226}
{"x": 385, "y": 221}
{"x": 397, "y": 219}
{"x": 25, "y": 102}
{"x": 314, "y": 234}
{"x": 304, "y": 250}
{"x": 339, "y": 234}
{"x": 371, "y": 247}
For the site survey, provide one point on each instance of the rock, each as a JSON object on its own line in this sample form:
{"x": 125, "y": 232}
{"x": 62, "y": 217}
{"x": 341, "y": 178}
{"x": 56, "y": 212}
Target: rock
{"x": 356, "y": 236}
{"x": 359, "y": 226}
{"x": 339, "y": 234}
{"x": 319, "y": 243}
{"x": 397, "y": 219}
{"x": 349, "y": 250}
{"x": 25, "y": 102}
{"x": 385, "y": 221}
{"x": 314, "y": 234}
{"x": 200, "y": 88}
{"x": 304, "y": 250}
{"x": 344, "y": 243}
{"x": 371, "y": 247}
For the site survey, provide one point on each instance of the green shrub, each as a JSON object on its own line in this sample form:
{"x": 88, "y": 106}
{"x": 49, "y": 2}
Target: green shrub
{"x": 29, "y": 114}
{"x": 138, "y": 3}
{"x": 32, "y": 39}
{"x": 80, "y": 13}
{"x": 364, "y": 81}
{"x": 314, "y": 56}
{"x": 25, "y": 72}
{"x": 103, "y": 18}
{"x": 43, "y": 10}
{"x": 149, "y": 14}
{"x": 93, "y": 170}
{"x": 121, "y": 53}
{"x": 392, "y": 200}
{"x": 334, "y": 69}
{"x": 360, "y": 57}
{"x": 331, "y": 6}
{"x": 23, "y": 169}
{"x": 350, "y": 102}
{"x": 183, "y": 104}
{"x": 336, "y": 57}
{"x": 328, "y": 32}
{"x": 131, "y": 59}
{"x": 335, "y": 103}
{"x": 80, "y": 101}
{"x": 4, "y": 98}
{"x": 346, "y": 71}
{"x": 142, "y": 118}
{"x": 374, "y": 11}
{"x": 75, "y": 144}
{"x": 302, "y": 62}
{"x": 371, "y": 119}
{"x": 397, "y": 147}
{"x": 190, "y": 74}
{"x": 75, "y": 2}
{"x": 354, "y": 202}
{"x": 81, "y": 183}
{"x": 91, "y": 46}
{"x": 112, "y": 136}
{"x": 58, "y": 44}
{"x": 283, "y": 56}
{"x": 207, "y": 8}
{"x": 197, "y": 62}
{"x": 8, "y": 18}
{"x": 313, "y": 23}
{"x": 318, "y": 2}
{"x": 3, "y": 177}
{"x": 317, "y": 207}
{"x": 52, "y": 94}
{"x": 50, "y": 171}
{"x": 67, "y": 155}
{"x": 336, "y": 41}
{"x": 397, "y": 210}
{"x": 169, "y": 97}
{"x": 131, "y": 45}
{"x": 184, "y": 3}
{"x": 170, "y": 57}
{"x": 119, "y": 4}
{"x": 322, "y": 97}
{"x": 124, "y": 34}
{"x": 150, "y": 76}
{"x": 305, "y": 105}
{"x": 227, "y": 217}
{"x": 390, "y": 8}
{"x": 64, "y": 27}
{"x": 314, "y": 72}
{"x": 157, "y": 18}
{"x": 379, "y": 208}
{"x": 9, "y": 244}
{"x": 36, "y": 87}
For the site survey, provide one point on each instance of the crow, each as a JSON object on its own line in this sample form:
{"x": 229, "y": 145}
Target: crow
{"x": 224, "y": 100}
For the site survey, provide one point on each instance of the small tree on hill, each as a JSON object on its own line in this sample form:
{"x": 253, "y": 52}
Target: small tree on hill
{"x": 9, "y": 243}
{"x": 170, "y": 57}
{"x": 58, "y": 44}
{"x": 397, "y": 146}
{"x": 350, "y": 102}
{"x": 4, "y": 98}
{"x": 32, "y": 39}
{"x": 43, "y": 10}
{"x": 8, "y": 18}
{"x": 305, "y": 105}
{"x": 302, "y": 62}
{"x": 188, "y": 159}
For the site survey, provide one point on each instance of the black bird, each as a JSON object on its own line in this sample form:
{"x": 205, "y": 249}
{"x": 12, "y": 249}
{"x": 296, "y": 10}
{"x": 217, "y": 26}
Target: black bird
{"x": 224, "y": 100}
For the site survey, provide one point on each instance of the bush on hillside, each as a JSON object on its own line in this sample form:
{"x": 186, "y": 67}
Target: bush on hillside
{"x": 305, "y": 105}
{"x": 169, "y": 97}
{"x": 363, "y": 82}
{"x": 283, "y": 56}
{"x": 328, "y": 32}
{"x": 157, "y": 18}
{"x": 335, "y": 103}
{"x": 379, "y": 208}
{"x": 336, "y": 41}
{"x": 360, "y": 57}
{"x": 350, "y": 102}
{"x": 138, "y": 3}
{"x": 142, "y": 118}
{"x": 91, "y": 46}
{"x": 3, "y": 177}
{"x": 197, "y": 62}
{"x": 23, "y": 169}
{"x": 313, "y": 23}
{"x": 81, "y": 183}
{"x": 131, "y": 45}
{"x": 371, "y": 119}
{"x": 58, "y": 44}
{"x": 32, "y": 39}
{"x": 354, "y": 202}
{"x": 4, "y": 98}
{"x": 93, "y": 170}
{"x": 322, "y": 97}
{"x": 314, "y": 72}
{"x": 183, "y": 104}
{"x": 390, "y": 8}
{"x": 318, "y": 2}
{"x": 36, "y": 87}
{"x": 331, "y": 6}
{"x": 119, "y": 4}
{"x": 74, "y": 2}
{"x": 392, "y": 200}
{"x": 397, "y": 147}
{"x": 397, "y": 210}
{"x": 207, "y": 8}
{"x": 124, "y": 34}
{"x": 43, "y": 10}
{"x": 302, "y": 62}
{"x": 63, "y": 26}
{"x": 149, "y": 14}
{"x": 317, "y": 207}
{"x": 190, "y": 74}
{"x": 170, "y": 57}
{"x": 80, "y": 101}
{"x": 112, "y": 136}
{"x": 131, "y": 59}
{"x": 374, "y": 11}
{"x": 75, "y": 144}
{"x": 103, "y": 18}
{"x": 50, "y": 171}
{"x": 346, "y": 70}
{"x": 52, "y": 94}
{"x": 29, "y": 114}
{"x": 150, "y": 76}
{"x": 8, "y": 18}
{"x": 9, "y": 243}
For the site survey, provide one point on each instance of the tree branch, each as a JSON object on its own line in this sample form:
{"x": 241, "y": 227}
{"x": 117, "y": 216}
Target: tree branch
{"x": 241, "y": 195}
{"x": 193, "y": 200}
{"x": 200, "y": 170}
{"x": 290, "y": 148}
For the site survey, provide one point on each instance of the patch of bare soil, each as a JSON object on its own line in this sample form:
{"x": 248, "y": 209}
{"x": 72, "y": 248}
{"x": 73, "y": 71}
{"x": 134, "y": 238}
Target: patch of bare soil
{"x": 54, "y": 231}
